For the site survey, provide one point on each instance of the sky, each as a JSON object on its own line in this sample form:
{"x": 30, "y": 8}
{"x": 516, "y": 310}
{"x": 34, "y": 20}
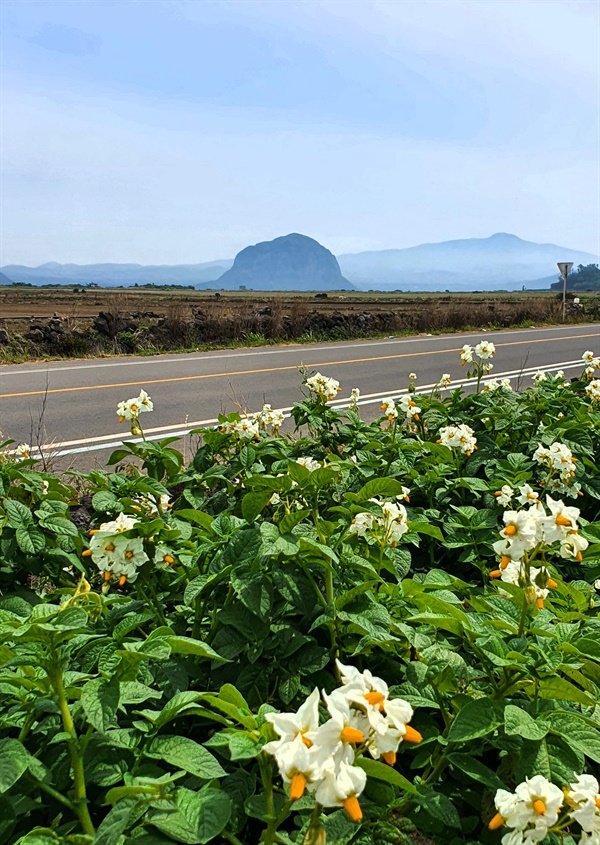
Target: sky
{"x": 181, "y": 131}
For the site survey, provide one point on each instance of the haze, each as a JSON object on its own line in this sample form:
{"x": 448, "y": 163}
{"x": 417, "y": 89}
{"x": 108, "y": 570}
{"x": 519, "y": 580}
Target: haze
{"x": 180, "y": 132}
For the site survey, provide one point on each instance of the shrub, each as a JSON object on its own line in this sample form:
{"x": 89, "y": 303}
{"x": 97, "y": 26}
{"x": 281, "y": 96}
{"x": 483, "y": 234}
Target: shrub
{"x": 432, "y": 573}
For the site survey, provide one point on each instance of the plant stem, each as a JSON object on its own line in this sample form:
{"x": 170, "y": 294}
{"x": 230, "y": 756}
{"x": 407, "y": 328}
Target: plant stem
{"x": 523, "y": 616}
{"x": 268, "y": 835}
{"x": 80, "y": 804}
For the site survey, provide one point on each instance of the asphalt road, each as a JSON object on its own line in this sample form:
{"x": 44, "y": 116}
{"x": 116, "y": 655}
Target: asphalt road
{"x": 76, "y": 400}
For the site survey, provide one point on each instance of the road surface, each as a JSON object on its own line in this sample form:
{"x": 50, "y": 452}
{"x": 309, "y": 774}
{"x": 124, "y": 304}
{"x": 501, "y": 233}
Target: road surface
{"x": 76, "y": 400}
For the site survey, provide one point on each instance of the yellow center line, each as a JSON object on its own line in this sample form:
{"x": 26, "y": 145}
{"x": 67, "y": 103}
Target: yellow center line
{"x": 279, "y": 369}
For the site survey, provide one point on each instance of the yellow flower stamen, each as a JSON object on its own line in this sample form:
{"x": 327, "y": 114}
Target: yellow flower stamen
{"x": 552, "y": 583}
{"x": 128, "y": 555}
{"x": 562, "y": 520}
{"x": 107, "y": 575}
{"x": 510, "y": 530}
{"x": 375, "y": 698}
{"x": 539, "y": 807}
{"x": 495, "y": 573}
{"x": 411, "y": 735}
{"x": 540, "y": 603}
{"x": 390, "y": 758}
{"x": 122, "y": 580}
{"x": 496, "y": 822}
{"x": 578, "y": 557}
{"x": 168, "y": 559}
{"x": 297, "y": 788}
{"x": 352, "y": 735}
{"x": 352, "y": 807}
{"x": 306, "y": 741}
{"x": 86, "y": 553}
{"x": 504, "y": 561}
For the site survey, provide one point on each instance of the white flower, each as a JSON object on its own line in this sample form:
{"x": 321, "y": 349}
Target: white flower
{"x": 341, "y": 787}
{"x": 521, "y": 530}
{"x": 445, "y": 380}
{"x": 132, "y": 408}
{"x": 325, "y": 388}
{"x": 466, "y": 354}
{"x": 388, "y": 528}
{"x": 572, "y": 546}
{"x": 412, "y": 376}
{"x": 561, "y": 521}
{"x": 527, "y": 495}
{"x": 588, "y": 356}
{"x": 388, "y": 406}
{"x": 492, "y": 385}
{"x": 531, "y": 810}
{"x": 504, "y": 495}
{"x": 117, "y": 555}
{"x": 458, "y": 437}
{"x": 354, "y": 397}
{"x": 23, "y": 452}
{"x": 309, "y": 463}
{"x": 289, "y": 726}
{"x": 539, "y": 377}
{"x": 409, "y": 407}
{"x": 505, "y": 384}
{"x": 118, "y": 525}
{"x": 163, "y": 556}
{"x": 485, "y": 349}
{"x": 584, "y": 799}
{"x": 362, "y": 523}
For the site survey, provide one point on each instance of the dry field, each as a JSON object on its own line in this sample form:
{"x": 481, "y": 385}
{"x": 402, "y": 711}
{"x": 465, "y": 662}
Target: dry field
{"x": 62, "y": 322}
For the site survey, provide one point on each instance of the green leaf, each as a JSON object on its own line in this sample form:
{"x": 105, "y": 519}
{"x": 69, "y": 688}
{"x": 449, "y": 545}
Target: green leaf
{"x": 254, "y": 503}
{"x": 388, "y": 488}
{"x": 426, "y": 528}
{"x": 30, "y": 540}
{"x": 199, "y": 816}
{"x": 563, "y": 690}
{"x": 476, "y": 770}
{"x": 100, "y": 701}
{"x": 115, "y": 822}
{"x": 18, "y": 514}
{"x": 14, "y": 761}
{"x": 576, "y": 731}
{"x": 381, "y": 771}
{"x": 187, "y": 645}
{"x": 105, "y": 501}
{"x": 476, "y": 719}
{"x": 518, "y": 722}
{"x": 184, "y": 753}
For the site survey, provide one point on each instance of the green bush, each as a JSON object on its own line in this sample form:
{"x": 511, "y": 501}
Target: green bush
{"x": 428, "y": 572}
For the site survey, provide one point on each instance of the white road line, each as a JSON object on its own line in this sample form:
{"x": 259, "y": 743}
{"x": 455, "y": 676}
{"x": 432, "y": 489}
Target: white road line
{"x": 226, "y": 354}
{"x": 341, "y": 404}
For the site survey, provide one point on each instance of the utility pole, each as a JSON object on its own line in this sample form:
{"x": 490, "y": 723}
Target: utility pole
{"x": 565, "y": 268}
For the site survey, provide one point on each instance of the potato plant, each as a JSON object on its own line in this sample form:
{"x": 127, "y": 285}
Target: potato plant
{"x": 379, "y": 633}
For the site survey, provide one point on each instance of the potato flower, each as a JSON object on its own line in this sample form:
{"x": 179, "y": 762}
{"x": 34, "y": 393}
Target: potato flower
{"x": 504, "y": 495}
{"x": 354, "y": 397}
{"x": 530, "y": 811}
{"x": 322, "y": 386}
{"x": 309, "y": 463}
{"x": 583, "y": 796}
{"x": 485, "y": 349}
{"x": 460, "y": 437}
{"x": 23, "y": 452}
{"x": 466, "y": 354}
{"x": 409, "y": 407}
{"x": 388, "y": 406}
{"x": 386, "y": 529}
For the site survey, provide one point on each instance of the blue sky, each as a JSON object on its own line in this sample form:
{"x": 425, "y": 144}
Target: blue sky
{"x": 180, "y": 131}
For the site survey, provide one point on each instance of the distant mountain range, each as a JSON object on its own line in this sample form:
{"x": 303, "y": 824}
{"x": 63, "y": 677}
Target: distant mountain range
{"x": 296, "y": 262}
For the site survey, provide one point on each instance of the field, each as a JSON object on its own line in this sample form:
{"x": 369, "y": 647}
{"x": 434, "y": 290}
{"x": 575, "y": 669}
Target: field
{"x": 379, "y": 633}
{"x": 42, "y": 323}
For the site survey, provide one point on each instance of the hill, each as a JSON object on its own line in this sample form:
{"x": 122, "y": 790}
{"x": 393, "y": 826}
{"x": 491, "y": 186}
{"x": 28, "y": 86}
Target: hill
{"x": 111, "y": 275}
{"x": 292, "y": 262}
{"x": 502, "y": 261}
{"x": 4, "y": 280}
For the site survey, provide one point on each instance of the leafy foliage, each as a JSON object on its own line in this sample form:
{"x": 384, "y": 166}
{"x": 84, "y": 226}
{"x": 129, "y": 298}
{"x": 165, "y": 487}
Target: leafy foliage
{"x": 135, "y": 713}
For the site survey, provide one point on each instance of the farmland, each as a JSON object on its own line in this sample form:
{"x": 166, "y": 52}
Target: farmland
{"x": 362, "y": 632}
{"x": 40, "y": 323}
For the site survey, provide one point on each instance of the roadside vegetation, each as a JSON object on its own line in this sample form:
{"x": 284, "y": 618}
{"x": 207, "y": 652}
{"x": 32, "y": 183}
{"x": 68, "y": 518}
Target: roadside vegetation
{"x": 361, "y": 633}
{"x": 57, "y": 323}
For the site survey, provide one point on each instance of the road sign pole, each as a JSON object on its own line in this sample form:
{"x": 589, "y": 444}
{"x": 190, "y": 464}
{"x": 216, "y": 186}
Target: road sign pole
{"x": 565, "y": 268}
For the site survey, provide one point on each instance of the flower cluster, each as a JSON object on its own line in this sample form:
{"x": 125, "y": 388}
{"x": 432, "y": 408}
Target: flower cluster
{"x": 483, "y": 350}
{"x": 493, "y": 385}
{"x": 533, "y": 531}
{"x": 132, "y": 408}
{"x": 245, "y": 426}
{"x": 354, "y": 397}
{"x": 386, "y": 529}
{"x": 116, "y": 554}
{"x": 268, "y": 417}
{"x": 559, "y": 461}
{"x": 320, "y": 758}
{"x": 592, "y": 363}
{"x": 323, "y": 387}
{"x": 309, "y": 463}
{"x": 406, "y": 406}
{"x": 460, "y": 437}
{"x": 593, "y": 390}
{"x": 533, "y": 810}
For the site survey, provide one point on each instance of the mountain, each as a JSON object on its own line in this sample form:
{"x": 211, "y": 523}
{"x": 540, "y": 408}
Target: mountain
{"x": 501, "y": 261}
{"x": 4, "y": 280}
{"x": 292, "y": 262}
{"x": 111, "y": 275}
{"x": 295, "y": 262}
